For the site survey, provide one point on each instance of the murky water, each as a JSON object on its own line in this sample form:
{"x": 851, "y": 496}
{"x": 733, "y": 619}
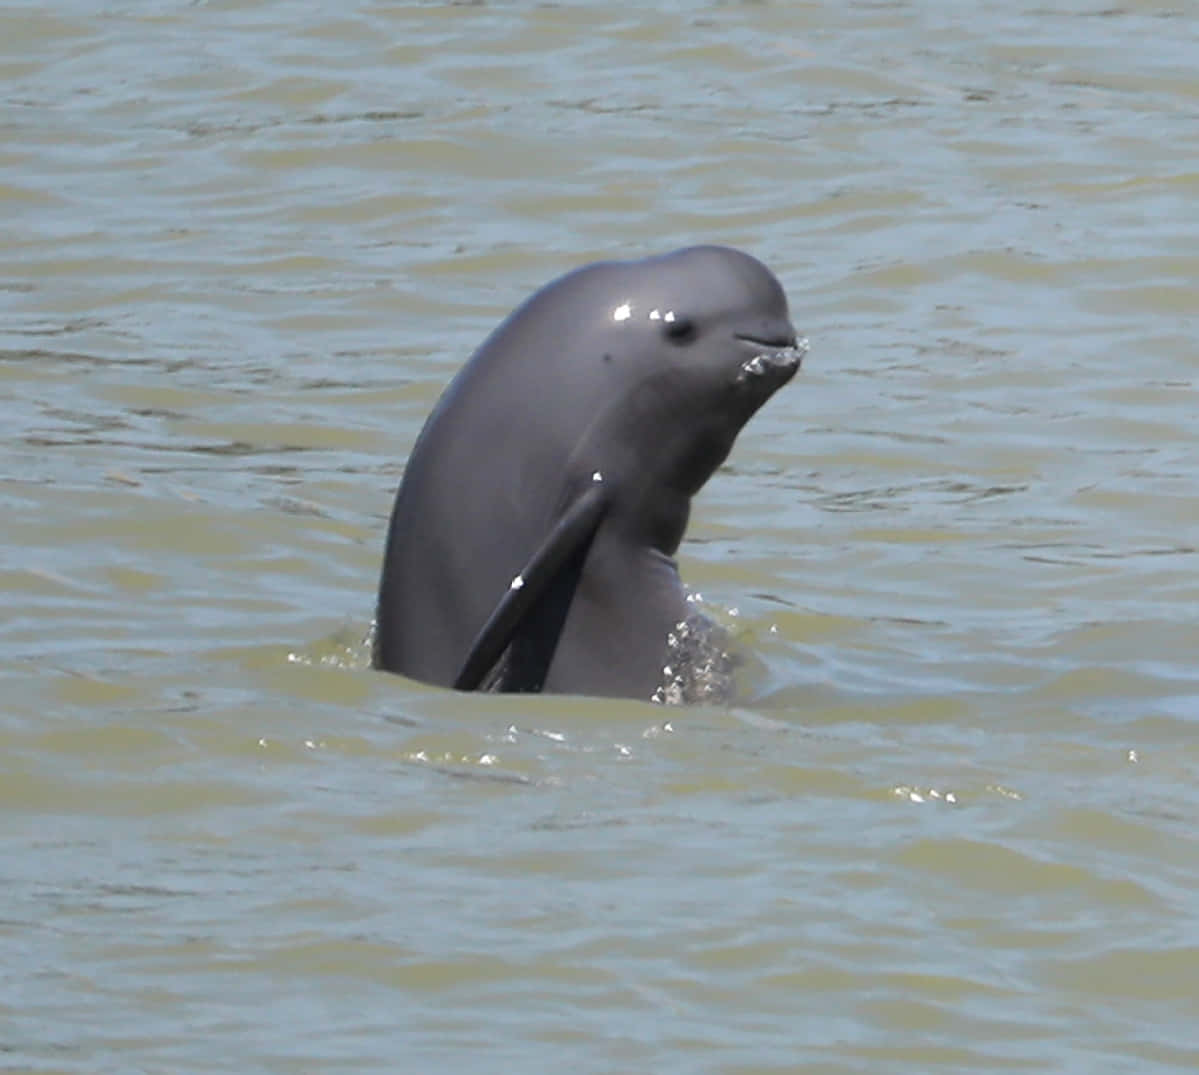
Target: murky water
{"x": 951, "y": 824}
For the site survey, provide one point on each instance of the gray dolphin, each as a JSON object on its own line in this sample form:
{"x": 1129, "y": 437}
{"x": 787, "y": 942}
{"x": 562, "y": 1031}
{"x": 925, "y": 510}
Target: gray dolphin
{"x": 531, "y": 544}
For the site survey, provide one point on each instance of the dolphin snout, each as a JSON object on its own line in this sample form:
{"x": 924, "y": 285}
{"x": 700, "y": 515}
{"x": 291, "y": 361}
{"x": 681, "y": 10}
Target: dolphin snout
{"x": 775, "y": 337}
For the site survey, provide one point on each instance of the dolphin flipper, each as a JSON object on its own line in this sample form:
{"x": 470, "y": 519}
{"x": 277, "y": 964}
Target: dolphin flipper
{"x": 571, "y": 534}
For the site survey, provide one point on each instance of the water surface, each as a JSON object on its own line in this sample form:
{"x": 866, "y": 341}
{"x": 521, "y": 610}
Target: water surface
{"x": 950, "y": 824}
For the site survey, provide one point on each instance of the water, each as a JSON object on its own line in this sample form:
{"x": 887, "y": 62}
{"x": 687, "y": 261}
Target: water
{"x": 950, "y": 824}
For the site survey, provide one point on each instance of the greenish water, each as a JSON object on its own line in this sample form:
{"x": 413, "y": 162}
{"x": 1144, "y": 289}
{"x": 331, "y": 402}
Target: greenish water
{"x": 950, "y": 824}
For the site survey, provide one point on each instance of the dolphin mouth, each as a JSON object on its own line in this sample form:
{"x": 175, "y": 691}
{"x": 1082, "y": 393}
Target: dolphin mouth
{"x": 775, "y": 358}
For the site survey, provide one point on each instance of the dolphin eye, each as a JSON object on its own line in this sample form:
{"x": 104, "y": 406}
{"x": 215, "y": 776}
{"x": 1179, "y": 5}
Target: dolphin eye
{"x": 679, "y": 330}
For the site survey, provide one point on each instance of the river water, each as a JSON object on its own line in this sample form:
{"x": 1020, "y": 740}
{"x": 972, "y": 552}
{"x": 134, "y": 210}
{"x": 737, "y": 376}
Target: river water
{"x": 948, "y": 825}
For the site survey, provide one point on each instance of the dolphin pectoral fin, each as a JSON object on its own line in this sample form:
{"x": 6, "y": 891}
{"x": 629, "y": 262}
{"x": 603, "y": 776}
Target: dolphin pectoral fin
{"x": 572, "y": 533}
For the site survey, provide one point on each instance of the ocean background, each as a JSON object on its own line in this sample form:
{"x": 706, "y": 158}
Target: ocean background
{"x": 949, "y": 824}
